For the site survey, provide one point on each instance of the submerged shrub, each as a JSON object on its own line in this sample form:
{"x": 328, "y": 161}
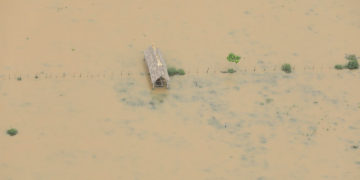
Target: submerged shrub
{"x": 181, "y": 71}
{"x": 353, "y": 64}
{"x": 12, "y": 132}
{"x": 19, "y": 78}
{"x": 171, "y": 71}
{"x": 268, "y": 100}
{"x": 230, "y": 70}
{"x": 339, "y": 66}
{"x": 286, "y": 67}
{"x": 351, "y": 57}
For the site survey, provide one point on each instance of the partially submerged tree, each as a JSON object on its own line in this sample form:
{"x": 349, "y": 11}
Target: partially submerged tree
{"x": 233, "y": 58}
{"x": 286, "y": 68}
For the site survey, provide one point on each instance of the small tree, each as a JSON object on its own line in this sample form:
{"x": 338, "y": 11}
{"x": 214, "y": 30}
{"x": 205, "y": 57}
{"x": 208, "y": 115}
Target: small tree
{"x": 286, "y": 68}
{"x": 353, "y": 64}
{"x": 233, "y": 58}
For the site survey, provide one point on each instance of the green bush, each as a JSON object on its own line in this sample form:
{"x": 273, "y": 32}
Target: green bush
{"x": 351, "y": 57}
{"x": 339, "y": 66}
{"x": 286, "y": 67}
{"x": 353, "y": 64}
{"x": 233, "y": 58}
{"x": 19, "y": 78}
{"x": 171, "y": 71}
{"x": 12, "y": 132}
{"x": 181, "y": 71}
{"x": 231, "y": 71}
{"x": 268, "y": 100}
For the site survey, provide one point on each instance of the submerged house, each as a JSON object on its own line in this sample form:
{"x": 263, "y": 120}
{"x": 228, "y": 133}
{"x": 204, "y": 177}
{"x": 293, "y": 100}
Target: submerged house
{"x": 157, "y": 66}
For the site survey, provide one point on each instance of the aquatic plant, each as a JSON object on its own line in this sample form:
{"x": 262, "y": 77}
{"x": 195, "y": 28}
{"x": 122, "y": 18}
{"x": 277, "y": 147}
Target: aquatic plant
{"x": 339, "y": 66}
{"x": 12, "y": 132}
{"x": 171, "y": 71}
{"x": 181, "y": 71}
{"x": 19, "y": 78}
{"x": 231, "y": 70}
{"x": 286, "y": 68}
{"x": 233, "y": 58}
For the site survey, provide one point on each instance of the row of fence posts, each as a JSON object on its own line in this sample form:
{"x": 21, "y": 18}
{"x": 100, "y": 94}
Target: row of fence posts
{"x": 121, "y": 73}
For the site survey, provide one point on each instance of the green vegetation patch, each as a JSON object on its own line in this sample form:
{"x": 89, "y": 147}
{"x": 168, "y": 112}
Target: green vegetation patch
{"x": 233, "y": 58}
{"x": 181, "y": 71}
{"x": 339, "y": 66}
{"x": 268, "y": 100}
{"x": 172, "y": 71}
{"x": 231, "y": 70}
{"x": 12, "y": 132}
{"x": 286, "y": 68}
{"x": 353, "y": 64}
{"x": 351, "y": 57}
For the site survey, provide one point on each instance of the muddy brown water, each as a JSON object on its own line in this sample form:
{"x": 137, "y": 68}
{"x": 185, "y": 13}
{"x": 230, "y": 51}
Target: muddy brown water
{"x": 105, "y": 124}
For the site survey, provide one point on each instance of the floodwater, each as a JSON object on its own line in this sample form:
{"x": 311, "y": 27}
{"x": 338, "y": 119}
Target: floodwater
{"x": 91, "y": 113}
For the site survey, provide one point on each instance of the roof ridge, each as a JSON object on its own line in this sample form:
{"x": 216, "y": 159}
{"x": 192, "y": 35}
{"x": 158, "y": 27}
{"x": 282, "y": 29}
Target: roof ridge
{"x": 157, "y": 57}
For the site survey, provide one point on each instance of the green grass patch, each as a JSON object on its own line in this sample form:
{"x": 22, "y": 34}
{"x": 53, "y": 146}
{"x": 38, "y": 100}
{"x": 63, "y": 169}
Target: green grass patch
{"x": 286, "y": 68}
{"x": 12, "y": 132}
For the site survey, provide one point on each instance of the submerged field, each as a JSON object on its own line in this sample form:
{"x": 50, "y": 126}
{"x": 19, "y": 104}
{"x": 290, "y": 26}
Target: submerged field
{"x": 108, "y": 123}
